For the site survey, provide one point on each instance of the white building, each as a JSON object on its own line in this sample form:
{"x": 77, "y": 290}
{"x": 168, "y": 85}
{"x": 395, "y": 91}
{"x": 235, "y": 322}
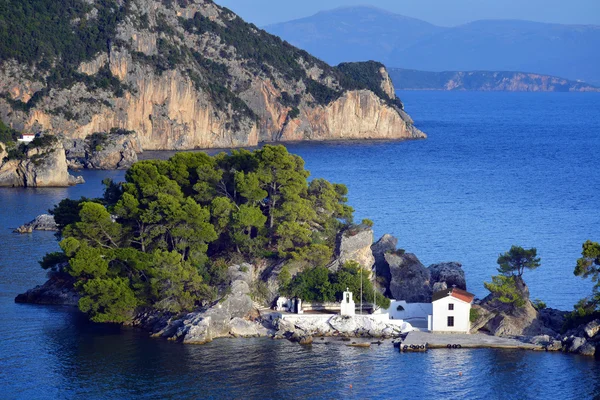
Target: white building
{"x": 400, "y": 309}
{"x": 26, "y": 138}
{"x": 451, "y": 311}
{"x": 348, "y": 308}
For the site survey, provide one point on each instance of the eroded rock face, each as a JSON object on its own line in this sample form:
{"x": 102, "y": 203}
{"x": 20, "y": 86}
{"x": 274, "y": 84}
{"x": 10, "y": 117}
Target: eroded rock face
{"x": 411, "y": 281}
{"x": 224, "y": 319}
{"x": 42, "y": 167}
{"x": 355, "y": 245}
{"x": 386, "y": 244}
{"x": 446, "y": 275}
{"x": 592, "y": 328}
{"x": 117, "y": 151}
{"x": 172, "y": 110}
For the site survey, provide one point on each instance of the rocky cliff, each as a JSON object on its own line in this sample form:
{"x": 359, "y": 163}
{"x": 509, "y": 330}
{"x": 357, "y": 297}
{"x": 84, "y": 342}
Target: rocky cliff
{"x": 36, "y": 166}
{"x": 183, "y": 75}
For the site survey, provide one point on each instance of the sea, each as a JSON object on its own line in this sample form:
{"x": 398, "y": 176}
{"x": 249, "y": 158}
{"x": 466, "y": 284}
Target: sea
{"x": 498, "y": 169}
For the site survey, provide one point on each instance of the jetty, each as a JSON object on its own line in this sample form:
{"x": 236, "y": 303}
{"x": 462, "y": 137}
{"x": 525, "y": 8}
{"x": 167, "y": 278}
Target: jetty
{"x": 421, "y": 341}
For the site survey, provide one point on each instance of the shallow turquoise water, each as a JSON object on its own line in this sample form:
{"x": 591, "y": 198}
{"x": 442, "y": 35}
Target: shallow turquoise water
{"x": 497, "y": 169}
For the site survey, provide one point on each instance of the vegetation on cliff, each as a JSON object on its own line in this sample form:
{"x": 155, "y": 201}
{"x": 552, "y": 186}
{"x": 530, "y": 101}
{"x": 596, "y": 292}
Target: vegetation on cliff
{"x": 588, "y": 266}
{"x": 508, "y": 287}
{"x": 318, "y": 284}
{"x": 219, "y": 52}
{"x": 164, "y": 238}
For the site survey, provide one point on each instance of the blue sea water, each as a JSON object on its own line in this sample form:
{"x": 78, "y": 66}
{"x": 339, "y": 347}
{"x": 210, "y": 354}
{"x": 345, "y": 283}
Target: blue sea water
{"x": 497, "y": 169}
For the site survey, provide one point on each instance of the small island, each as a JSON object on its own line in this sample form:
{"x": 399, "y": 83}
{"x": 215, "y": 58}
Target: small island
{"x": 239, "y": 245}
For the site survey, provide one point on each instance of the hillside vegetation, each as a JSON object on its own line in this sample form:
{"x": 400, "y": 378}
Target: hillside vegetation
{"x": 163, "y": 240}
{"x": 78, "y": 60}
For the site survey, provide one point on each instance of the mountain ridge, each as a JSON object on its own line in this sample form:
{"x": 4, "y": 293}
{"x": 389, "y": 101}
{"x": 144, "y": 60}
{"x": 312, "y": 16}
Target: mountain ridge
{"x": 182, "y": 74}
{"x": 497, "y": 45}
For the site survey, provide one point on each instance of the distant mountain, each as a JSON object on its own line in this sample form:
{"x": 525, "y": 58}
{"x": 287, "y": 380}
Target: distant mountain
{"x": 363, "y": 33}
{"x": 410, "y": 79}
{"x": 354, "y": 33}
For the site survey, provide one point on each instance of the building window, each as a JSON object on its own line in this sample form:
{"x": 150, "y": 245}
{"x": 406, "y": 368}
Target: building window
{"x": 450, "y": 321}
{"x": 399, "y": 308}
{"x": 451, "y": 306}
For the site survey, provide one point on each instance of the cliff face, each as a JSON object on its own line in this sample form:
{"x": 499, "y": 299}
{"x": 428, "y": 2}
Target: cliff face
{"x": 190, "y": 74}
{"x": 41, "y": 167}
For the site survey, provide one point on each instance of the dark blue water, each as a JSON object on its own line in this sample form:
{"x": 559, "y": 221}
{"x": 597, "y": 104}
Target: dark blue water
{"x": 497, "y": 169}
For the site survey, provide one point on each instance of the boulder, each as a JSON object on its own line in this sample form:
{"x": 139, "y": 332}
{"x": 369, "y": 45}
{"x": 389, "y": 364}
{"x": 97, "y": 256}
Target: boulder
{"x": 575, "y": 344}
{"x": 243, "y": 272}
{"x": 410, "y": 280}
{"x": 592, "y": 328}
{"x": 354, "y": 244}
{"x": 552, "y": 318}
{"x": 588, "y": 349}
{"x": 3, "y": 152}
{"x": 446, "y": 275}
{"x": 507, "y": 321}
{"x": 240, "y": 327}
{"x": 386, "y": 244}
{"x": 202, "y": 327}
{"x": 44, "y": 222}
{"x": 541, "y": 340}
{"x": 306, "y": 340}
{"x": 555, "y": 345}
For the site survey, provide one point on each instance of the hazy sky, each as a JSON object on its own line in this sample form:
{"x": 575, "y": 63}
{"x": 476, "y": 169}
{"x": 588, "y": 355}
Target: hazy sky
{"x": 439, "y": 12}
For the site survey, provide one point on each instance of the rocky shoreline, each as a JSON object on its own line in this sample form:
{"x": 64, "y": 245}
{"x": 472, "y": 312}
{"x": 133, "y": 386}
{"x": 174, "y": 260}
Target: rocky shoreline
{"x": 237, "y": 315}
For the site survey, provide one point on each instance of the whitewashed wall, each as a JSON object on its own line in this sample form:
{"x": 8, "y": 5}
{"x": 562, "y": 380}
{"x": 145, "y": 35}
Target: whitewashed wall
{"x": 411, "y": 310}
{"x": 460, "y": 313}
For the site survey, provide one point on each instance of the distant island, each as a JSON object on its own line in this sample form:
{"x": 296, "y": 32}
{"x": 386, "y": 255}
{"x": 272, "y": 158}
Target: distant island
{"x": 488, "y": 81}
{"x": 360, "y": 33}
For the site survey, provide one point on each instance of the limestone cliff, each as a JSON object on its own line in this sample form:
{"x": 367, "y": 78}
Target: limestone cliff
{"x": 37, "y": 166}
{"x": 189, "y": 74}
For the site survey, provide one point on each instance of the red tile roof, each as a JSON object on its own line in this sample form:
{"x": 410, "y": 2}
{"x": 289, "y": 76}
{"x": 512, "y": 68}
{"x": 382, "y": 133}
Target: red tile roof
{"x": 454, "y": 292}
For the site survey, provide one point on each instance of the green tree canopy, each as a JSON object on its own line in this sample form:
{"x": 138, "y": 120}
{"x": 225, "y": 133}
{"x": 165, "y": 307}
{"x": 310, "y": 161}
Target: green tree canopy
{"x": 506, "y": 290}
{"x": 516, "y": 260}
{"x": 159, "y": 240}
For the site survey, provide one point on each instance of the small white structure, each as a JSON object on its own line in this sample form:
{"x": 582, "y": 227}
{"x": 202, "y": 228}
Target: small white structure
{"x": 400, "y": 309}
{"x": 26, "y": 138}
{"x": 451, "y": 311}
{"x": 348, "y": 307}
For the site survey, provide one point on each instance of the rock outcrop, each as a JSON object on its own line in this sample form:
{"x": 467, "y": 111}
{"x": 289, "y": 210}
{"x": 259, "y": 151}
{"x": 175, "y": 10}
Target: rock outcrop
{"x": 446, "y": 275}
{"x": 505, "y": 319}
{"x": 44, "y": 166}
{"x": 189, "y": 75}
{"x": 111, "y": 151}
{"x": 224, "y": 319}
{"x": 403, "y": 277}
{"x": 411, "y": 281}
{"x": 56, "y": 291}
{"x": 44, "y": 222}
{"x": 354, "y": 244}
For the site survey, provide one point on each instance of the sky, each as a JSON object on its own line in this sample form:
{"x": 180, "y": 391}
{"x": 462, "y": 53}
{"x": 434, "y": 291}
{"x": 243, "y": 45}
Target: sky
{"x": 439, "y": 12}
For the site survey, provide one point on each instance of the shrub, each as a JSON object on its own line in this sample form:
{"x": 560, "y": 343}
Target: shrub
{"x": 473, "y": 314}
{"x": 539, "y": 304}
